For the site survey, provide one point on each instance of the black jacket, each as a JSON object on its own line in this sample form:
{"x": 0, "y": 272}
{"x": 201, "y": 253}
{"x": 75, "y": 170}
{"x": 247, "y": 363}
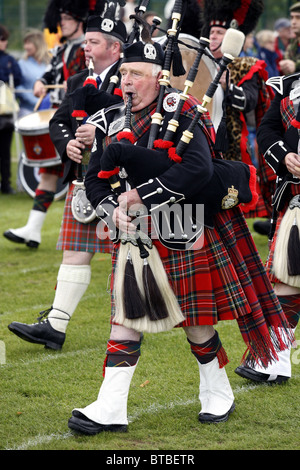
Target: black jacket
{"x": 62, "y": 126}
{"x": 274, "y": 140}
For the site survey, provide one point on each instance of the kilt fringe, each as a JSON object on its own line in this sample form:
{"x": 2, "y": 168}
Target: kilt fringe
{"x": 222, "y": 357}
{"x": 262, "y": 348}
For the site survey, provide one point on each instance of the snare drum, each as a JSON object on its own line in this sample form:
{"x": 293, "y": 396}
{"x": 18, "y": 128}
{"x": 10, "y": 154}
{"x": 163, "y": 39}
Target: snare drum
{"x": 29, "y": 178}
{"x": 207, "y": 71}
{"x": 38, "y": 147}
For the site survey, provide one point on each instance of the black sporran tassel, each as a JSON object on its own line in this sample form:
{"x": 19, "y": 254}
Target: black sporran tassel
{"x": 293, "y": 250}
{"x": 155, "y": 303}
{"x": 133, "y": 301}
{"x": 156, "y": 306}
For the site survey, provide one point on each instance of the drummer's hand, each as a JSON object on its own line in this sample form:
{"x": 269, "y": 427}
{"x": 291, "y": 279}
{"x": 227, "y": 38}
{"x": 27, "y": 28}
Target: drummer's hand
{"x": 222, "y": 80}
{"x": 292, "y": 162}
{"x": 39, "y": 89}
{"x": 86, "y": 134}
{"x": 122, "y": 220}
{"x": 74, "y": 148}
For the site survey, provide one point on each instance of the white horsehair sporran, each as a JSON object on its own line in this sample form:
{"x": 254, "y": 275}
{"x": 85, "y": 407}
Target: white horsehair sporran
{"x": 287, "y": 246}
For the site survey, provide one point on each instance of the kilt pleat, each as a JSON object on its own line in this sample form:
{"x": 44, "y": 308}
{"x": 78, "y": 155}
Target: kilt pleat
{"x": 226, "y": 280}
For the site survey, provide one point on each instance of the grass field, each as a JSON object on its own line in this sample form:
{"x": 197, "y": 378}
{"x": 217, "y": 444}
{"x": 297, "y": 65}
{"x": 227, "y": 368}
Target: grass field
{"x": 39, "y": 387}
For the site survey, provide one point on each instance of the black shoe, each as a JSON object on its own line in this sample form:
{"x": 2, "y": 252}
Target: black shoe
{"x": 83, "y": 425}
{"x": 40, "y": 333}
{"x": 210, "y": 418}
{"x": 251, "y": 374}
{"x": 262, "y": 227}
{"x": 14, "y": 238}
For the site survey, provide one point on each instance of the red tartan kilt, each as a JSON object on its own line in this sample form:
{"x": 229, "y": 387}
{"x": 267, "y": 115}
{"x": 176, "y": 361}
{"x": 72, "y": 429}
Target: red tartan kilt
{"x": 75, "y": 236}
{"x": 57, "y": 170}
{"x": 225, "y": 280}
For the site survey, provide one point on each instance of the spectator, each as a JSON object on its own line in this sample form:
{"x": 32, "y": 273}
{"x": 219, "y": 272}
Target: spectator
{"x": 32, "y": 66}
{"x": 291, "y": 62}
{"x": 284, "y": 35}
{"x": 249, "y": 46}
{"x": 266, "y": 41}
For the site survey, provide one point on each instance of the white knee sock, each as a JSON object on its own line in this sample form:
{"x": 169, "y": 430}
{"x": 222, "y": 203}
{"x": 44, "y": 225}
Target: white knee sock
{"x": 72, "y": 282}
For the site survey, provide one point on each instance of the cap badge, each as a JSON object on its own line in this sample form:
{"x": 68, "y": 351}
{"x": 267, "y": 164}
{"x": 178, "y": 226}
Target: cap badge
{"x": 107, "y": 25}
{"x": 231, "y": 199}
{"x": 150, "y": 52}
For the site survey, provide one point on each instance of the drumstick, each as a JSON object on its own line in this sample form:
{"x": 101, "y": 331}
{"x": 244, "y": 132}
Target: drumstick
{"x": 54, "y": 86}
{"x": 30, "y": 90}
{"x": 38, "y": 104}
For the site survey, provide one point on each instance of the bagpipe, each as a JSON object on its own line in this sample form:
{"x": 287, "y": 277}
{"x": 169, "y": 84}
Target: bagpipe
{"x": 91, "y": 99}
{"x": 232, "y": 182}
{"x": 143, "y": 296}
{"x": 81, "y": 207}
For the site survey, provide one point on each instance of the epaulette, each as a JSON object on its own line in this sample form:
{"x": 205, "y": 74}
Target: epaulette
{"x": 99, "y": 119}
{"x": 278, "y": 82}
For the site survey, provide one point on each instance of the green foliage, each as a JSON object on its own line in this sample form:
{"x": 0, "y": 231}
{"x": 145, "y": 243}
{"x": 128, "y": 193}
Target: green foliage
{"x": 39, "y": 387}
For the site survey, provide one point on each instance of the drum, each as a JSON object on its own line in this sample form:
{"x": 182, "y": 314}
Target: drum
{"x": 29, "y": 178}
{"x": 206, "y": 72}
{"x": 38, "y": 147}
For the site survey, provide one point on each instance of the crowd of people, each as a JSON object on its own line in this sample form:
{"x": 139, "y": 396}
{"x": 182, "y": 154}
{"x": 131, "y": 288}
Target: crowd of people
{"x": 212, "y": 271}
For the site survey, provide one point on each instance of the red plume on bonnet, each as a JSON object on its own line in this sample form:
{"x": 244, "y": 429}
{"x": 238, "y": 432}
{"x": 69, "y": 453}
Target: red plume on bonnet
{"x": 240, "y": 14}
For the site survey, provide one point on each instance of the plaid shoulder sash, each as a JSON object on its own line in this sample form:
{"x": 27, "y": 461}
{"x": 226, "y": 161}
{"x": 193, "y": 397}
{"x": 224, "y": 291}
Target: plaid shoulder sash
{"x": 140, "y": 124}
{"x": 287, "y": 111}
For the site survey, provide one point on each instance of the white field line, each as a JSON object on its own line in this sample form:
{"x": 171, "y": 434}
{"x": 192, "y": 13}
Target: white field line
{"x": 152, "y": 408}
{"x": 25, "y": 270}
{"x": 39, "y": 307}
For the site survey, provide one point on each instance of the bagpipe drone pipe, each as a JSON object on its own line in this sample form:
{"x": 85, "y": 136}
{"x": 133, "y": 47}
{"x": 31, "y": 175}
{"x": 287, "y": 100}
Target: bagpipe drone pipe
{"x": 232, "y": 182}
